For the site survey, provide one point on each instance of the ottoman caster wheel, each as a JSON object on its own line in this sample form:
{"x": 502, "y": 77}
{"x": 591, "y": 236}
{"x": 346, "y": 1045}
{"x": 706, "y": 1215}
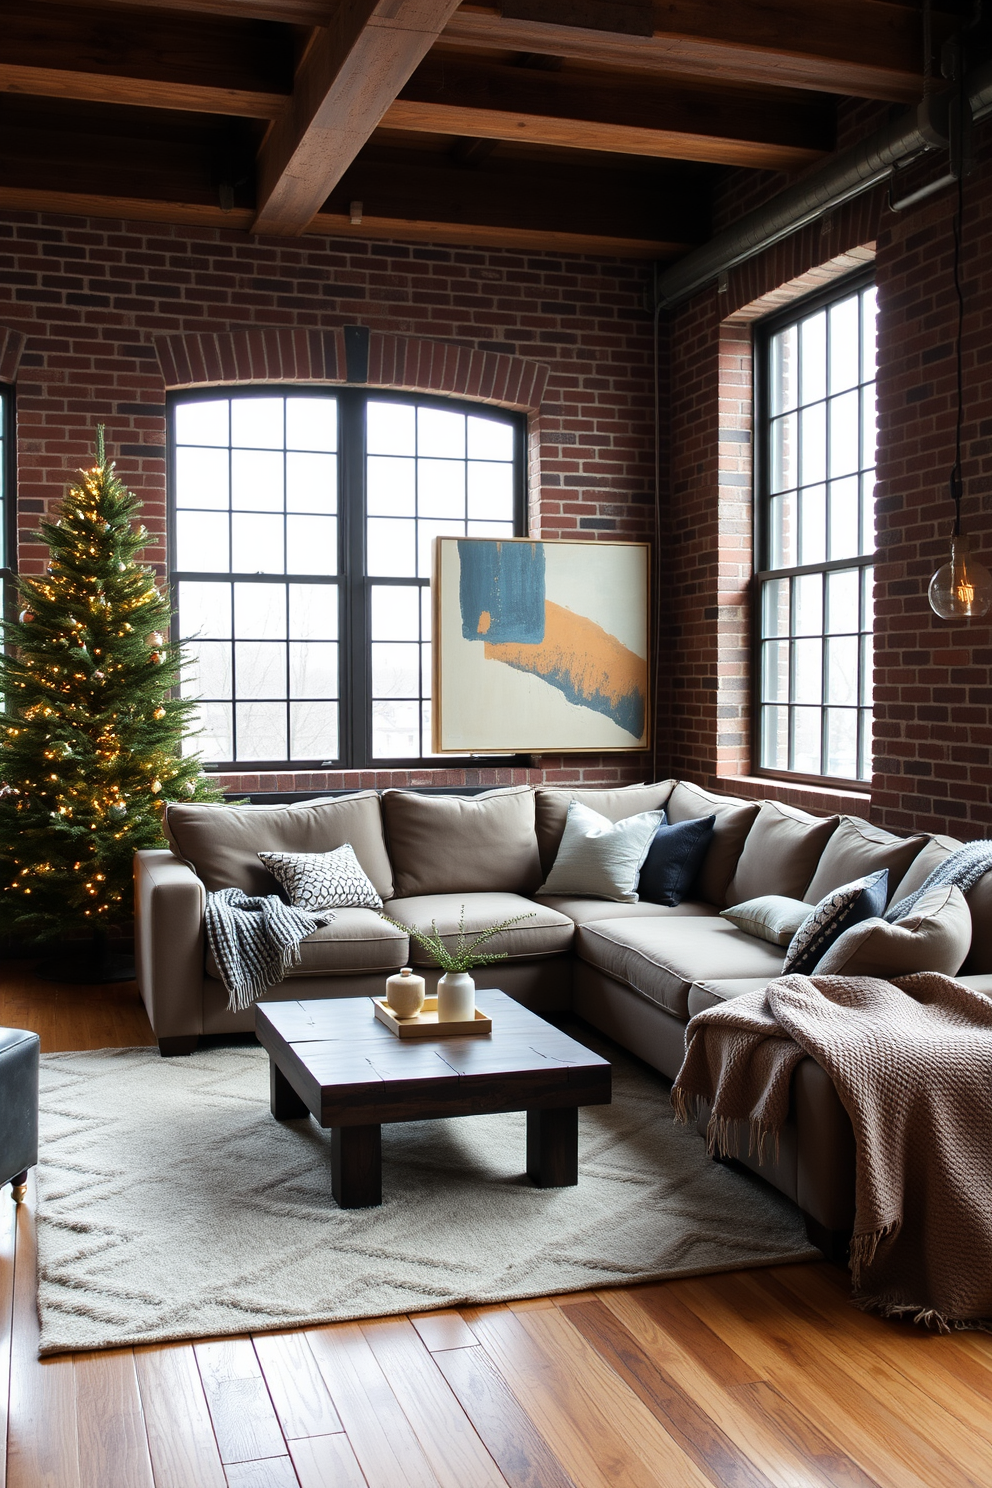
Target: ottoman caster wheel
{"x": 19, "y": 1187}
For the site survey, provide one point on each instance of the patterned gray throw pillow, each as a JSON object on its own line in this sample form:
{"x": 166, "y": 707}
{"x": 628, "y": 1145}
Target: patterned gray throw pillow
{"x": 331, "y": 880}
{"x": 862, "y": 899}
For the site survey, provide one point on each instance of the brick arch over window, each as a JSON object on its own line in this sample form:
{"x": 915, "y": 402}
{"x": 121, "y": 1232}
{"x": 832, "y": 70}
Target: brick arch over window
{"x": 11, "y": 346}
{"x": 196, "y": 359}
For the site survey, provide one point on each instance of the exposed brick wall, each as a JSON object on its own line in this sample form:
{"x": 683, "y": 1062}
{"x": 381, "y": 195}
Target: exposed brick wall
{"x": 96, "y": 300}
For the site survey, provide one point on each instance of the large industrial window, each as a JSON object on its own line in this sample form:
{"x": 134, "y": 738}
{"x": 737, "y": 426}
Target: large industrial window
{"x": 815, "y": 466}
{"x": 302, "y": 531}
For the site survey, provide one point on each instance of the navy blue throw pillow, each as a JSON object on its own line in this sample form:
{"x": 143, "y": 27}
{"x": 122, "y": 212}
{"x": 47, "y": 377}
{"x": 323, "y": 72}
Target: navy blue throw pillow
{"x": 862, "y": 899}
{"x": 674, "y": 859}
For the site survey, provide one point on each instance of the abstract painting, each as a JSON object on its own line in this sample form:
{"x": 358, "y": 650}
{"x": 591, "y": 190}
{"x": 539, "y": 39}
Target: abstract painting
{"x": 539, "y": 645}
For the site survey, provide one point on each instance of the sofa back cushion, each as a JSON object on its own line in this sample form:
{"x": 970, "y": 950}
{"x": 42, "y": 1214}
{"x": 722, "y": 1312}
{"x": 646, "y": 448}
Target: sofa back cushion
{"x": 781, "y": 853}
{"x": 855, "y": 849}
{"x": 479, "y": 844}
{"x": 933, "y": 852}
{"x": 626, "y": 800}
{"x": 222, "y": 843}
{"x": 734, "y": 818}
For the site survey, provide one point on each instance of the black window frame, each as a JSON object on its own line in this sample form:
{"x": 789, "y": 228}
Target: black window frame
{"x": 354, "y": 583}
{"x": 763, "y": 332}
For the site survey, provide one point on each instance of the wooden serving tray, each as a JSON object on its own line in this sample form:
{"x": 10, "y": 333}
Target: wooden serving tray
{"x": 425, "y": 1024}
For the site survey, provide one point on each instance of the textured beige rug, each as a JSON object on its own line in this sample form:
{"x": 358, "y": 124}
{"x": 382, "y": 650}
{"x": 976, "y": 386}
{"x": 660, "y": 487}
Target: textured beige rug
{"x": 171, "y": 1205}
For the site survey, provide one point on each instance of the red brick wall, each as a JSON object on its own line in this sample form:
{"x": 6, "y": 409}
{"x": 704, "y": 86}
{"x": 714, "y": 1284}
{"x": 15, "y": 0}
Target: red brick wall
{"x": 92, "y": 297}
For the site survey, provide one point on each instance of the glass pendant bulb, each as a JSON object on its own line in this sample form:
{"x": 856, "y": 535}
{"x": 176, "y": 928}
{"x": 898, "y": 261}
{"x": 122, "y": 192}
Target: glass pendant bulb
{"x": 962, "y": 589}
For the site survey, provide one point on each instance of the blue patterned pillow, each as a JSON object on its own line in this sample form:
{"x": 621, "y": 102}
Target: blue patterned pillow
{"x": 863, "y": 899}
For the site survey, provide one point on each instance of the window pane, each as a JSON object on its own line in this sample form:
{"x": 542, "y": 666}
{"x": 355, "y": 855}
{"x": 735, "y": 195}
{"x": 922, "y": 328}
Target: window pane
{"x": 392, "y": 486}
{"x": 202, "y": 422}
{"x": 807, "y": 602}
{"x": 867, "y": 598}
{"x": 311, "y": 545}
{"x": 392, "y": 546}
{"x": 311, "y": 423}
{"x": 426, "y": 614}
{"x": 390, "y": 428}
{"x": 313, "y": 731}
{"x": 440, "y": 433}
{"x": 868, "y": 513}
{"x": 775, "y": 671}
{"x": 490, "y": 529}
{"x": 261, "y": 731}
{"x": 395, "y": 612}
{"x": 844, "y": 433}
{"x": 813, "y": 524}
{"x": 395, "y": 670}
{"x": 204, "y": 609}
{"x": 807, "y": 685}
{"x": 813, "y": 437}
{"x": 784, "y": 370}
{"x": 869, "y": 311}
{"x": 426, "y": 533}
{"x": 395, "y": 730}
{"x": 869, "y": 428}
{"x": 311, "y": 483}
{"x": 775, "y": 607}
{"x": 260, "y": 612}
{"x": 865, "y": 745}
{"x": 313, "y": 669}
{"x": 257, "y": 480}
{"x": 202, "y": 542}
{"x": 257, "y": 543}
{"x": 257, "y": 423}
{"x": 842, "y": 600}
{"x": 842, "y": 669}
{"x": 845, "y": 537}
{"x": 783, "y": 533}
{"x": 842, "y": 742}
{"x": 813, "y": 357}
{"x": 806, "y": 741}
{"x": 784, "y": 465}
{"x": 441, "y": 488}
{"x": 202, "y": 478}
{"x": 845, "y": 348}
{"x": 490, "y": 492}
{"x": 260, "y": 669}
{"x": 867, "y": 669}
{"x": 775, "y": 738}
{"x": 209, "y": 671}
{"x": 215, "y": 742}
{"x": 489, "y": 439}
{"x": 313, "y": 612}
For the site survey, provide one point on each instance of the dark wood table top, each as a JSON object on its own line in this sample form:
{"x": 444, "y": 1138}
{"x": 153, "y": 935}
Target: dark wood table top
{"x": 351, "y": 1071}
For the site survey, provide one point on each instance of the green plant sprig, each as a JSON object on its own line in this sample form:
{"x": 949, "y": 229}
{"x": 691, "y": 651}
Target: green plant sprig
{"x": 465, "y": 954}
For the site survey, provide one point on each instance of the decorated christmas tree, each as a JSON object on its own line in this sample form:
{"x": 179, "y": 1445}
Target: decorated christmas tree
{"x": 91, "y": 735}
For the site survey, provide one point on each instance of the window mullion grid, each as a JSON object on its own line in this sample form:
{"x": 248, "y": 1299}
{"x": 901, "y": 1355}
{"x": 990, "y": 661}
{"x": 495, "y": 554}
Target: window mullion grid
{"x": 354, "y": 686}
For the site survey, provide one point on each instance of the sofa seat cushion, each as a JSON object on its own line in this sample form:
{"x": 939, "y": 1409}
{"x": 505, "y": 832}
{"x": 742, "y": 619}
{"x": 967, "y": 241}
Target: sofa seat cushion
{"x": 356, "y": 940}
{"x": 545, "y": 933}
{"x": 711, "y": 991}
{"x": 662, "y": 958}
{"x": 585, "y": 911}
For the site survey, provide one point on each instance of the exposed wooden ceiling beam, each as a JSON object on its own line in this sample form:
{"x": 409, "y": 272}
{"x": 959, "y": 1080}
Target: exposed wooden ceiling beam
{"x": 346, "y": 81}
{"x": 636, "y": 116}
{"x": 867, "y": 48}
{"x": 291, "y": 12}
{"x": 95, "y": 55}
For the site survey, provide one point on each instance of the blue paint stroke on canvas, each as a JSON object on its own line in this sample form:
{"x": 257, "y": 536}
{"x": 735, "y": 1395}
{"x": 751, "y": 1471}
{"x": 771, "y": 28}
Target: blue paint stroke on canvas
{"x": 501, "y": 591}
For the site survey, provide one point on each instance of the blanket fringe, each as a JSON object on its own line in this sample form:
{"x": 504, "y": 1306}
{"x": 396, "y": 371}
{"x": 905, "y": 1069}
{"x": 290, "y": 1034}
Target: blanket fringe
{"x": 924, "y": 1317}
{"x": 864, "y": 1247}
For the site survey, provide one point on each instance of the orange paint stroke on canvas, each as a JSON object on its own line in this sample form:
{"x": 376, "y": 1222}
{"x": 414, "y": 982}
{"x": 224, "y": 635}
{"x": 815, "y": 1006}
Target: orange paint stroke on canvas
{"x": 584, "y": 661}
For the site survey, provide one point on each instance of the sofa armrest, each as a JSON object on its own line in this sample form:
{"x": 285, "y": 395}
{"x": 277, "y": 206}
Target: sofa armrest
{"x": 169, "y": 901}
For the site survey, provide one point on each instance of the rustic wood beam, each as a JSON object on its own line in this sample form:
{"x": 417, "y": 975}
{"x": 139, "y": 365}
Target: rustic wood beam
{"x": 290, "y": 12}
{"x": 346, "y": 81}
{"x": 868, "y": 48}
{"x": 207, "y": 65}
{"x": 580, "y": 109}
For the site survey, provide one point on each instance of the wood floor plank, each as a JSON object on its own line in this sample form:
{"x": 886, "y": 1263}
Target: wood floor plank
{"x": 677, "y": 1321}
{"x": 42, "y": 1444}
{"x": 380, "y": 1434}
{"x": 181, "y": 1438}
{"x": 271, "y": 1472}
{"x": 603, "y": 1436}
{"x": 242, "y": 1413}
{"x": 513, "y": 1441}
{"x": 8, "y": 1231}
{"x": 113, "y": 1446}
{"x": 326, "y": 1462}
{"x": 447, "y": 1437}
{"x": 443, "y": 1330}
{"x": 296, "y": 1386}
{"x": 719, "y": 1458}
{"x": 785, "y": 1458}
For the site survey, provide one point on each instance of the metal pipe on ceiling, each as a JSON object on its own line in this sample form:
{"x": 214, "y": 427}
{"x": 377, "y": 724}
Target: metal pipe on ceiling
{"x": 840, "y": 179}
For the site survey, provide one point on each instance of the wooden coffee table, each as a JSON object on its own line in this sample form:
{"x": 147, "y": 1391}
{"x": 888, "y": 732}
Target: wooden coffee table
{"x": 333, "y": 1059}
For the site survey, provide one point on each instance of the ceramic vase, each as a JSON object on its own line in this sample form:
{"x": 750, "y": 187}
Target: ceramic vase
{"x": 405, "y": 993}
{"x": 455, "y": 998}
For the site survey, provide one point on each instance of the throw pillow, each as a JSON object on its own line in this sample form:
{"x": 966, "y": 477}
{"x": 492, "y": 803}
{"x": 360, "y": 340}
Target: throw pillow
{"x": 836, "y": 912}
{"x": 771, "y": 917}
{"x": 599, "y": 857}
{"x": 331, "y": 880}
{"x": 674, "y": 859}
{"x": 934, "y": 936}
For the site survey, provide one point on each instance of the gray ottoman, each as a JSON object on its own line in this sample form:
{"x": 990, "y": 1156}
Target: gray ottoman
{"x": 19, "y": 1053}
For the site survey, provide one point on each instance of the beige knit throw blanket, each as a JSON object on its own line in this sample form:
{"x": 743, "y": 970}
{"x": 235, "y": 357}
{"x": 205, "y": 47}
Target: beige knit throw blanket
{"x": 911, "y": 1061}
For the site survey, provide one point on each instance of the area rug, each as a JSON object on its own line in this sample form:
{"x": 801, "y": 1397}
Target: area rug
{"x": 172, "y": 1206}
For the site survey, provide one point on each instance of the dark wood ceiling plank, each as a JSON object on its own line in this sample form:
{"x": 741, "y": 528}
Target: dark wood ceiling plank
{"x": 348, "y": 78}
{"x": 593, "y": 111}
{"x": 291, "y": 12}
{"x": 868, "y": 48}
{"x": 89, "y": 87}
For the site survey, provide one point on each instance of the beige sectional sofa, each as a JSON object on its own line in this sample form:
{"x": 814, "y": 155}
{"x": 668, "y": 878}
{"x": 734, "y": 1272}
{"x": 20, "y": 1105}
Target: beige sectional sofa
{"x": 636, "y": 971}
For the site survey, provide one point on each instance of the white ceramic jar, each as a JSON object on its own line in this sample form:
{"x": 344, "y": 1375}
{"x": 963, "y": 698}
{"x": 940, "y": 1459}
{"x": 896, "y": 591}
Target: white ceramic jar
{"x": 405, "y": 993}
{"x": 455, "y": 997}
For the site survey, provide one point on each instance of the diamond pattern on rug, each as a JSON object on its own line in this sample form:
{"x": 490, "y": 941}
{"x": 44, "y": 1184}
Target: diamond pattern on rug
{"x": 172, "y": 1206}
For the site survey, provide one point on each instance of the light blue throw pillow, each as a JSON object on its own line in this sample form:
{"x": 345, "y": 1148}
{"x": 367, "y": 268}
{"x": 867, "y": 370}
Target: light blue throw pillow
{"x": 601, "y": 858}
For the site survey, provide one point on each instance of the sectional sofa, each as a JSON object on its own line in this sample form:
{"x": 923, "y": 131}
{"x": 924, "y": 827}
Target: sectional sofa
{"x": 636, "y": 971}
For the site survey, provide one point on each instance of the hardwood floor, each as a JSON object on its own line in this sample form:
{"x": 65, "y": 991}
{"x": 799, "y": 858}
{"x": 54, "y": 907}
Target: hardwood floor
{"x": 758, "y": 1379}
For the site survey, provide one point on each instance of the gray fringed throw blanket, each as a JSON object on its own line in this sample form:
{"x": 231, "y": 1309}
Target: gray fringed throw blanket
{"x": 964, "y": 868}
{"x": 911, "y": 1061}
{"x": 256, "y": 940}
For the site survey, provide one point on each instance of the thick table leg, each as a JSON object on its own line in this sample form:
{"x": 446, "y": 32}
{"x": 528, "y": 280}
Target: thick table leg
{"x": 356, "y": 1166}
{"x": 284, "y": 1102}
{"x": 553, "y": 1147}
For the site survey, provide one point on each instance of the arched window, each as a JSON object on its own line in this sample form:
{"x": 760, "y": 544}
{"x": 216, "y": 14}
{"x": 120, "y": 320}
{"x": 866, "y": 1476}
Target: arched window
{"x": 302, "y": 523}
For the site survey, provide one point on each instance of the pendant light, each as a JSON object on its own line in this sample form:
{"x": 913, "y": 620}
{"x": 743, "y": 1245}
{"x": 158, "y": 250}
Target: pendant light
{"x": 962, "y": 588}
